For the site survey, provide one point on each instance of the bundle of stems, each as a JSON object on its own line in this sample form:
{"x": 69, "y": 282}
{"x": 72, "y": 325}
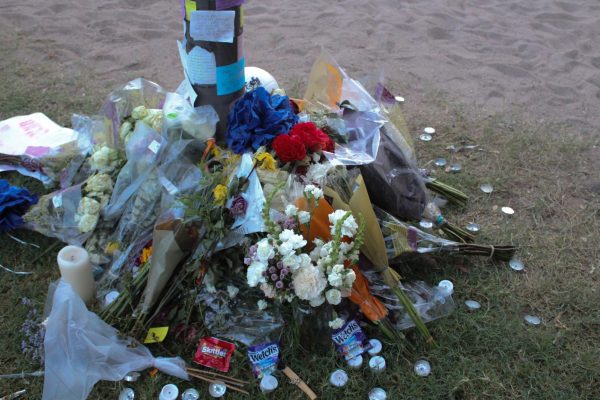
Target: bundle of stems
{"x": 213, "y": 377}
{"x": 125, "y": 302}
{"x": 450, "y": 193}
{"x": 502, "y": 253}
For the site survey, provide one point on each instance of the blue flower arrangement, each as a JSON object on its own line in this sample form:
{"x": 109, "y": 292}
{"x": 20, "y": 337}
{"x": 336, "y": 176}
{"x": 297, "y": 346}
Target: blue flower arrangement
{"x": 257, "y": 118}
{"x": 14, "y": 202}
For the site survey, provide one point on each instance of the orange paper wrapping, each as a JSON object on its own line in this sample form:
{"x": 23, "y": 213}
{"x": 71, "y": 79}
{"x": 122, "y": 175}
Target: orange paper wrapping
{"x": 371, "y": 307}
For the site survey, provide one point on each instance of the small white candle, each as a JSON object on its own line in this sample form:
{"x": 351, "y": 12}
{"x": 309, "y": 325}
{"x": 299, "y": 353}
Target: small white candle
{"x": 338, "y": 378}
{"x": 377, "y": 364}
{"x": 268, "y": 383}
{"x": 169, "y": 392}
{"x": 376, "y": 347}
{"x": 356, "y": 362}
{"x": 76, "y": 269}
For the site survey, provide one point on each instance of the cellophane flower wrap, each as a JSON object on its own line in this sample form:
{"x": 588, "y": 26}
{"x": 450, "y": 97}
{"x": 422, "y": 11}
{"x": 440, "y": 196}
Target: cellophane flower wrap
{"x": 257, "y": 118}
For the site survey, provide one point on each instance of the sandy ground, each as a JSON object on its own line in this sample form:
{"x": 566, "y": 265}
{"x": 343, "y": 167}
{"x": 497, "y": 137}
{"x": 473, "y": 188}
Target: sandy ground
{"x": 540, "y": 57}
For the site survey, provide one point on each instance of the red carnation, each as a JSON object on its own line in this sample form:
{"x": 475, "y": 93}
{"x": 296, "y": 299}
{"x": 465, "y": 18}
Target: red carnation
{"x": 289, "y": 148}
{"x": 313, "y": 138}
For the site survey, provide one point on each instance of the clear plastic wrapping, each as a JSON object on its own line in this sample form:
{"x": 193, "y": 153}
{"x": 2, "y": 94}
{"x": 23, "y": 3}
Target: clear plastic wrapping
{"x": 81, "y": 349}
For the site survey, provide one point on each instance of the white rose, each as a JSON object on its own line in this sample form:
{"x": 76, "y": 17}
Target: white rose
{"x": 334, "y": 296}
{"x": 87, "y": 222}
{"x": 336, "y": 323}
{"x": 261, "y": 304}
{"x": 305, "y": 260}
{"x": 285, "y": 249}
{"x": 88, "y": 206}
{"x": 291, "y": 261}
{"x": 99, "y": 183}
{"x": 286, "y": 235}
{"x": 335, "y": 280}
{"x": 304, "y": 217}
{"x": 349, "y": 278}
{"x": 291, "y": 210}
{"x": 254, "y": 275}
{"x": 264, "y": 250}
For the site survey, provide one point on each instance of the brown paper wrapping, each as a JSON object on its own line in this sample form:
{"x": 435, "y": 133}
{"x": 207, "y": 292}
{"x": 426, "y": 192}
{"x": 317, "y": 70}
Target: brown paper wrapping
{"x": 171, "y": 242}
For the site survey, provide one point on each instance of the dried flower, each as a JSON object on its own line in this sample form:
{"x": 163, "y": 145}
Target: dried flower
{"x": 238, "y": 206}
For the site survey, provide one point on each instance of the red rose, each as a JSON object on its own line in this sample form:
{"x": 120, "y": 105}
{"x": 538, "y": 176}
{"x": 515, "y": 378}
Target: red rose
{"x": 313, "y": 138}
{"x": 289, "y": 148}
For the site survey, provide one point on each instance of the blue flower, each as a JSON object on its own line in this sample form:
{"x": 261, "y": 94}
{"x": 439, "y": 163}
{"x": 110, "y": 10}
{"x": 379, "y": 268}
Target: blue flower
{"x": 257, "y": 118}
{"x": 14, "y": 202}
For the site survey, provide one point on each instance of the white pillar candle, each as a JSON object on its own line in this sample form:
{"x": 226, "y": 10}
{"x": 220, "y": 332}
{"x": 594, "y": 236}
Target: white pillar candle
{"x": 76, "y": 269}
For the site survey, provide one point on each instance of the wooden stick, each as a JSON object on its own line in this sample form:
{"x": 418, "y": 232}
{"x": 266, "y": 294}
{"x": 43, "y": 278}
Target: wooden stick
{"x": 295, "y": 379}
{"x": 228, "y": 380}
{"x": 216, "y": 381}
{"x": 216, "y": 374}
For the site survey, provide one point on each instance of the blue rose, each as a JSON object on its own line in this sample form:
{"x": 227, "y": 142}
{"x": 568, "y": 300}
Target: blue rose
{"x": 257, "y": 118}
{"x": 14, "y": 202}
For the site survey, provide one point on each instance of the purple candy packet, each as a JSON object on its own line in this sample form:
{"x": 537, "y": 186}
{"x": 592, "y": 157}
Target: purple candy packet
{"x": 264, "y": 358}
{"x": 350, "y": 341}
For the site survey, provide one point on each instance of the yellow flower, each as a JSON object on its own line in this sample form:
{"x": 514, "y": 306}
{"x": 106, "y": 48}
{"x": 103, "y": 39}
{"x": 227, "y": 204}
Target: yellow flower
{"x": 216, "y": 151}
{"x": 220, "y": 194}
{"x": 266, "y": 161}
{"x": 146, "y": 253}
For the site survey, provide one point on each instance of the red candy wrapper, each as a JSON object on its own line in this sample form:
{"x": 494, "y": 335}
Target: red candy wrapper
{"x": 214, "y": 353}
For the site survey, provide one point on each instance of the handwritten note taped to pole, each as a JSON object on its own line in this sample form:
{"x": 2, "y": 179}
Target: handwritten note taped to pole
{"x": 212, "y": 26}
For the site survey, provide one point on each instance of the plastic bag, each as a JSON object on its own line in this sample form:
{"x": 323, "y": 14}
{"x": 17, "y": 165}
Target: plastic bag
{"x": 35, "y": 146}
{"x": 182, "y": 121}
{"x": 328, "y": 87}
{"x": 143, "y": 151}
{"x": 239, "y": 319}
{"x": 120, "y": 103}
{"x": 393, "y": 183}
{"x": 427, "y": 301}
{"x": 81, "y": 349}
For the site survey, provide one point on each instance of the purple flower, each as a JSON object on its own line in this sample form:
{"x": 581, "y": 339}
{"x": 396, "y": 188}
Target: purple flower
{"x": 274, "y": 277}
{"x": 247, "y": 260}
{"x": 238, "y": 206}
{"x": 279, "y": 285}
{"x": 279, "y": 264}
{"x": 289, "y": 223}
{"x": 272, "y": 270}
{"x": 284, "y": 272}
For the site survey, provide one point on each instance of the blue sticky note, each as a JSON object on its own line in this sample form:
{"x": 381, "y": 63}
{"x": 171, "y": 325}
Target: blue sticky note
{"x": 230, "y": 78}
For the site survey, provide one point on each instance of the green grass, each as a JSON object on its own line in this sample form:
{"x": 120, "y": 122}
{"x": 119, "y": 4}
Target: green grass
{"x": 548, "y": 174}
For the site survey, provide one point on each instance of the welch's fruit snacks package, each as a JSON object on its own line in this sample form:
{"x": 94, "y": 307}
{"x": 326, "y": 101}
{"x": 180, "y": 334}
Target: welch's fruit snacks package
{"x": 350, "y": 341}
{"x": 264, "y": 358}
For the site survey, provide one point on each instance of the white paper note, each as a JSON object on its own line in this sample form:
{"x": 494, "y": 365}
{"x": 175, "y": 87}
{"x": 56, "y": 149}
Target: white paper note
{"x": 212, "y": 26}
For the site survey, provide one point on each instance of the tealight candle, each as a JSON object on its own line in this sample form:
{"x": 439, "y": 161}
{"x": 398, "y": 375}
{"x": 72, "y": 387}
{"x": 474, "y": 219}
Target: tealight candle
{"x": 169, "y": 392}
{"x": 429, "y": 130}
{"x": 76, "y": 269}
{"x": 377, "y": 394}
{"x": 376, "y": 347}
{"x": 217, "y": 389}
{"x": 472, "y": 305}
{"x": 455, "y": 168}
{"x": 422, "y": 368}
{"x": 440, "y": 162}
{"x": 533, "y": 319}
{"x": 425, "y": 137}
{"x": 190, "y": 394}
{"x": 425, "y": 224}
{"x": 377, "y": 364}
{"x": 338, "y": 378}
{"x": 356, "y": 362}
{"x": 132, "y": 377}
{"x": 268, "y": 383}
{"x": 127, "y": 394}
{"x": 516, "y": 264}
